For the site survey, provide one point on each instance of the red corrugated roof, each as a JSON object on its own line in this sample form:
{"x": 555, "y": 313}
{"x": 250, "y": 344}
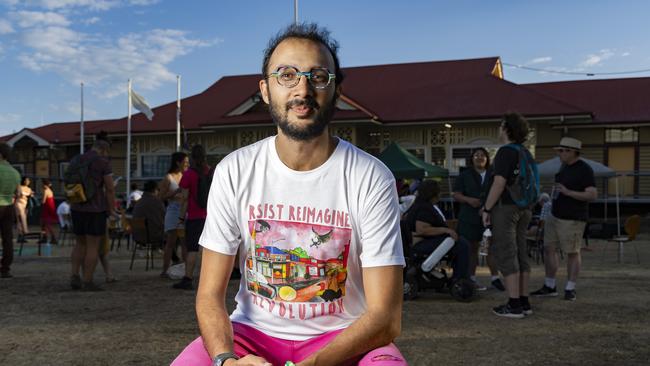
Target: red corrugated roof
{"x": 610, "y": 100}
{"x": 397, "y": 93}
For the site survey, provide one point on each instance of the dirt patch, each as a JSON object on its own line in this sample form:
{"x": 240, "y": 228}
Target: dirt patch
{"x": 141, "y": 320}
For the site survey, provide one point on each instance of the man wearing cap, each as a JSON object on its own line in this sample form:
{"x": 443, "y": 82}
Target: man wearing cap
{"x": 574, "y": 188}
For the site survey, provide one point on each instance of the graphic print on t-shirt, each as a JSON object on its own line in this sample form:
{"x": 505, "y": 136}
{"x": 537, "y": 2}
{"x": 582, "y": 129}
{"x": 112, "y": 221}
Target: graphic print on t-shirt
{"x": 299, "y": 261}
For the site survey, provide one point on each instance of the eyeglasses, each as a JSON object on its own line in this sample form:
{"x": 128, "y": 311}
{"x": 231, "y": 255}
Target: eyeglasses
{"x": 562, "y": 150}
{"x": 289, "y": 76}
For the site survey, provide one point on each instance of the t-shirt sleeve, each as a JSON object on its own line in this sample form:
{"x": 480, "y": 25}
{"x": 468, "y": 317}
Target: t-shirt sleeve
{"x": 425, "y": 215}
{"x": 221, "y": 232}
{"x": 106, "y": 168}
{"x": 590, "y": 180}
{"x": 505, "y": 162}
{"x": 379, "y": 227}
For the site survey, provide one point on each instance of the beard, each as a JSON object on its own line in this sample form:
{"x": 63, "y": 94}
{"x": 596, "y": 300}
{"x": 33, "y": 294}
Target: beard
{"x": 322, "y": 117}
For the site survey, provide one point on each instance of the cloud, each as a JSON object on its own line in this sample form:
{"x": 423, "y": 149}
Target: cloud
{"x": 95, "y": 5}
{"x": 92, "y": 20}
{"x": 597, "y": 59}
{"x": 625, "y": 54}
{"x": 5, "y": 27}
{"x": 105, "y": 64}
{"x": 10, "y": 118}
{"x": 540, "y": 60}
{"x": 27, "y": 19}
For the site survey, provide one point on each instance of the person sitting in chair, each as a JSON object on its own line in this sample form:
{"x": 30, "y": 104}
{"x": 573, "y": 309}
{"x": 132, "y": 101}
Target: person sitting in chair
{"x": 429, "y": 228}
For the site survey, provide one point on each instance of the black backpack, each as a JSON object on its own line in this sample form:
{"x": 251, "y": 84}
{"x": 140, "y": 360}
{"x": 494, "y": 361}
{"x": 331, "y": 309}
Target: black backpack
{"x": 203, "y": 188}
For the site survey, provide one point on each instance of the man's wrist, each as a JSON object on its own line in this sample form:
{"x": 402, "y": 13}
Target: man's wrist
{"x": 220, "y": 359}
{"x": 486, "y": 210}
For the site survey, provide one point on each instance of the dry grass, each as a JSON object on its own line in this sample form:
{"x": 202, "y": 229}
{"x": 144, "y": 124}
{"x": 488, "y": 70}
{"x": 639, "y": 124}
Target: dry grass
{"x": 140, "y": 320}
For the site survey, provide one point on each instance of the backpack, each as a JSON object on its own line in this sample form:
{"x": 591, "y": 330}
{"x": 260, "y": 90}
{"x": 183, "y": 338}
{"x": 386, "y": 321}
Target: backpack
{"x": 78, "y": 184}
{"x": 524, "y": 191}
{"x": 203, "y": 188}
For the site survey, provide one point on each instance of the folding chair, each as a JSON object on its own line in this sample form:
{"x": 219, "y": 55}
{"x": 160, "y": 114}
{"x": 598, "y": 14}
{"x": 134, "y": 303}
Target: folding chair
{"x": 139, "y": 229}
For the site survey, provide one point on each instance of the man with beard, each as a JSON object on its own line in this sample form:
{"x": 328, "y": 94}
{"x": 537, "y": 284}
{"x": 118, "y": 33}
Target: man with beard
{"x": 301, "y": 182}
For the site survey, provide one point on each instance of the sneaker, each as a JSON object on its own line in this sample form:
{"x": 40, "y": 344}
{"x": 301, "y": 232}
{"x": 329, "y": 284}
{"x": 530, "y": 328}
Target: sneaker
{"x": 91, "y": 287}
{"x": 508, "y": 312}
{"x": 497, "y": 284}
{"x": 479, "y": 287}
{"x": 570, "y": 295}
{"x": 545, "y": 291}
{"x": 184, "y": 284}
{"x": 526, "y": 309}
{"x": 75, "y": 282}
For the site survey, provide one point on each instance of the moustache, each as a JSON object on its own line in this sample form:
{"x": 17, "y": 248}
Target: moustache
{"x": 311, "y": 103}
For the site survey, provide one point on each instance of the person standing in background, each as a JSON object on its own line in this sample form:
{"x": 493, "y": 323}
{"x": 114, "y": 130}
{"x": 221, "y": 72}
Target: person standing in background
{"x": 172, "y": 193}
{"x": 48, "y": 213}
{"x": 23, "y": 194}
{"x": 9, "y": 183}
{"x": 470, "y": 188}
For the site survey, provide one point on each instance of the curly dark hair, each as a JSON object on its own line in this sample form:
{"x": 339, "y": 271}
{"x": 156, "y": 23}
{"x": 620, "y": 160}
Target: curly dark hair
{"x": 516, "y": 127}
{"x": 427, "y": 190}
{"x": 309, "y": 31}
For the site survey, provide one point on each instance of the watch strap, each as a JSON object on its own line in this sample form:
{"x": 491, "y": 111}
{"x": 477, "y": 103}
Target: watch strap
{"x": 221, "y": 358}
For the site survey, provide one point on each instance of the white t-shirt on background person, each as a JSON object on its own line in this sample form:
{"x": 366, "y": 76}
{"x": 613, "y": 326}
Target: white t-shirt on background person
{"x": 302, "y": 236}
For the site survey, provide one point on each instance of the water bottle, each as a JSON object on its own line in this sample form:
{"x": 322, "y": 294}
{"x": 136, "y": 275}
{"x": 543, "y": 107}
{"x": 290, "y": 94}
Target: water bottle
{"x": 47, "y": 249}
{"x": 485, "y": 242}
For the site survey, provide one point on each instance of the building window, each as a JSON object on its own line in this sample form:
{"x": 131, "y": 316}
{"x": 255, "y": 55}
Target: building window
{"x": 20, "y": 168}
{"x": 621, "y": 135}
{"x": 63, "y": 166}
{"x": 154, "y": 166}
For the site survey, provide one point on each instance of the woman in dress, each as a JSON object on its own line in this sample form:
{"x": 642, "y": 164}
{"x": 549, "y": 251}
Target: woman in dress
{"x": 49, "y": 218}
{"x": 23, "y": 193}
{"x": 171, "y": 192}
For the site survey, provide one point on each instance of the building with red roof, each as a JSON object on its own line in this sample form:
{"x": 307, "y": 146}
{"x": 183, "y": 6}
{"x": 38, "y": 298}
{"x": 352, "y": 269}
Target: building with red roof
{"x": 437, "y": 110}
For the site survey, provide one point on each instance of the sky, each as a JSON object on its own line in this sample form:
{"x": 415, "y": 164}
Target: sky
{"x": 49, "y": 47}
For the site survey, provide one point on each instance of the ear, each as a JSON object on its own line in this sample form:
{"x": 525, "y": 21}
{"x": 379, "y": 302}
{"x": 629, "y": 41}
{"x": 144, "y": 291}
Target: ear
{"x": 264, "y": 90}
{"x": 338, "y": 91}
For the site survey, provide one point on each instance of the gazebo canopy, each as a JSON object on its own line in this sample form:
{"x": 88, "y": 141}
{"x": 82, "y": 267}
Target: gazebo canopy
{"x": 550, "y": 167}
{"x": 403, "y": 164}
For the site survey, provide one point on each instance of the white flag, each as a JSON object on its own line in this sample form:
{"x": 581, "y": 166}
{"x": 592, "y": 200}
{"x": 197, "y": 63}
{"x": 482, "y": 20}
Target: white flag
{"x": 140, "y": 104}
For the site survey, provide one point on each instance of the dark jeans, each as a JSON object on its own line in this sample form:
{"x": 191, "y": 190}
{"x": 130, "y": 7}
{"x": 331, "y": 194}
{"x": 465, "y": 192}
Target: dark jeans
{"x": 459, "y": 254}
{"x": 7, "y": 218}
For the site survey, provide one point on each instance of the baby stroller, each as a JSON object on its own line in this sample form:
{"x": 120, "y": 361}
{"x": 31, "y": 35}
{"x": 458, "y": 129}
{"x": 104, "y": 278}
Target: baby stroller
{"x": 416, "y": 279}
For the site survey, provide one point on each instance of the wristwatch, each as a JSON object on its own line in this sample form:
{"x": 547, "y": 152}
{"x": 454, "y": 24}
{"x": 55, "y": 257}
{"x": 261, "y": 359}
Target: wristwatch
{"x": 486, "y": 210}
{"x": 220, "y": 359}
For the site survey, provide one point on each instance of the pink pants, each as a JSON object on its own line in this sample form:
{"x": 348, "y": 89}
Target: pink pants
{"x": 277, "y": 351}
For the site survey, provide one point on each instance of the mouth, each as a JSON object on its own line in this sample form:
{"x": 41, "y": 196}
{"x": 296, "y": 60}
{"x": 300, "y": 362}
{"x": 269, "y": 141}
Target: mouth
{"x": 302, "y": 108}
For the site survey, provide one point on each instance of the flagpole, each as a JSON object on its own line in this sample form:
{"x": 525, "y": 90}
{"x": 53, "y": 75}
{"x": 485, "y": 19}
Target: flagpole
{"x": 178, "y": 113}
{"x": 81, "y": 143}
{"x": 295, "y": 12}
{"x": 128, "y": 144}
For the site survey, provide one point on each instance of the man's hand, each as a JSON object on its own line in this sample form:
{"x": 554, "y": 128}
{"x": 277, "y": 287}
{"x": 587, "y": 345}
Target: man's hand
{"x": 248, "y": 360}
{"x": 486, "y": 219}
{"x": 562, "y": 189}
{"x": 453, "y": 234}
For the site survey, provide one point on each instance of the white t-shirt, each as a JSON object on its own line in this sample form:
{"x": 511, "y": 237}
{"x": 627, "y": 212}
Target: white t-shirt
{"x": 302, "y": 236}
{"x": 61, "y": 211}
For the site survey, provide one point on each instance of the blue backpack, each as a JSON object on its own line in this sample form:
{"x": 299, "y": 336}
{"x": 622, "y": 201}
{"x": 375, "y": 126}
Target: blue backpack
{"x": 524, "y": 191}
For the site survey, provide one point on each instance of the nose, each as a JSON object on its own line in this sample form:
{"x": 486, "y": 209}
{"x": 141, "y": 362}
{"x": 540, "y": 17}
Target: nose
{"x": 303, "y": 88}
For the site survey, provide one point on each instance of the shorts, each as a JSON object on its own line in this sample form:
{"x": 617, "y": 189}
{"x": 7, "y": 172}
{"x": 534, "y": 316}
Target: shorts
{"x": 193, "y": 230}
{"x": 89, "y": 223}
{"x": 248, "y": 340}
{"x": 172, "y": 215}
{"x": 565, "y": 234}
{"x": 509, "y": 224}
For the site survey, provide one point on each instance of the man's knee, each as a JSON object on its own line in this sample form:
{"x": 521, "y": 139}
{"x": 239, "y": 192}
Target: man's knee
{"x": 383, "y": 356}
